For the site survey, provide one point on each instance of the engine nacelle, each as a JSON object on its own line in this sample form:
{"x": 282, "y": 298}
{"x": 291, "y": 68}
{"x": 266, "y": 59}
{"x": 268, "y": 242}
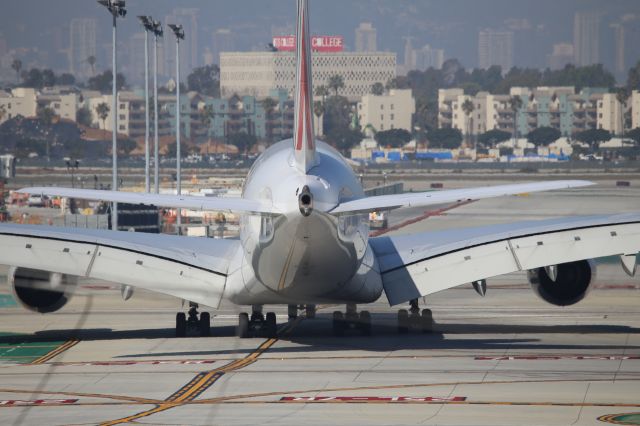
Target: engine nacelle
{"x": 572, "y": 283}
{"x": 41, "y": 291}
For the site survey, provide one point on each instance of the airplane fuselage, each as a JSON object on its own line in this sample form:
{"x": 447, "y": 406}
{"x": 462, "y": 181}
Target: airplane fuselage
{"x": 303, "y": 258}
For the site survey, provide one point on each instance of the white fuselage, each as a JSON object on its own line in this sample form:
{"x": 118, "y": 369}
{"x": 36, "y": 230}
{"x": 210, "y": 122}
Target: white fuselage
{"x": 293, "y": 258}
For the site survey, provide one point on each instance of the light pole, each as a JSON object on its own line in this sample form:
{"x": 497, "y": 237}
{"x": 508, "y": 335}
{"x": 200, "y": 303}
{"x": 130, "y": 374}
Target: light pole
{"x": 157, "y": 32}
{"x": 147, "y": 23}
{"x": 178, "y": 31}
{"x": 117, "y": 9}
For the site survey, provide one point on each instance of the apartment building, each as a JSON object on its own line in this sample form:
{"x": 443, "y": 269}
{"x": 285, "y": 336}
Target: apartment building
{"x": 393, "y": 110}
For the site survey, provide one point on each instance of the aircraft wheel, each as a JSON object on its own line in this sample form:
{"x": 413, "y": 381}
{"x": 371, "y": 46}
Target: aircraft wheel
{"x": 403, "y": 321}
{"x": 365, "y": 323}
{"x": 243, "y": 325}
{"x": 310, "y": 311}
{"x": 181, "y": 324}
{"x": 338, "y": 323}
{"x": 427, "y": 321}
{"x": 204, "y": 325}
{"x": 272, "y": 327}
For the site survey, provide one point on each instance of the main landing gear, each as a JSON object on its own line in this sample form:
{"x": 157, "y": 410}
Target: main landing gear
{"x": 201, "y": 325}
{"x": 351, "y": 320}
{"x": 310, "y": 311}
{"x": 414, "y": 319}
{"x": 258, "y": 324}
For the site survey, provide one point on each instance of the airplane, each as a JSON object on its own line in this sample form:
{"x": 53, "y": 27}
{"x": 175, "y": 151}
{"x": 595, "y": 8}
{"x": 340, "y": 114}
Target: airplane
{"x": 304, "y": 240}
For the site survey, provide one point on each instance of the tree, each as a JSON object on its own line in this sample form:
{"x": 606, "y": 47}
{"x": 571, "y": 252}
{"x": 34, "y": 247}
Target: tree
{"x": 377, "y": 89}
{"x": 467, "y": 108}
{"x": 344, "y": 138}
{"x": 126, "y": 146}
{"x": 633, "y": 80}
{"x": 205, "y": 80}
{"x": 493, "y": 137}
{"x": 593, "y": 137}
{"x": 103, "y": 82}
{"x": 46, "y": 117}
{"x": 91, "y": 60}
{"x": 84, "y": 117}
{"x": 318, "y": 110}
{"x": 622, "y": 96}
{"x": 102, "y": 111}
{"x": 335, "y": 83}
{"x": 394, "y": 137}
{"x": 322, "y": 91}
{"x": 206, "y": 115}
{"x": 269, "y": 105}
{"x": 66, "y": 79}
{"x": 33, "y": 78}
{"x": 16, "y": 65}
{"x": 635, "y": 135}
{"x": 243, "y": 141}
{"x": 446, "y": 138}
{"x": 543, "y": 136}
{"x": 515, "y": 103}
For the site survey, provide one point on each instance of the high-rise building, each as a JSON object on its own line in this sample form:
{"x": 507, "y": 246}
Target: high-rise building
{"x": 562, "y": 55}
{"x": 135, "y": 67}
{"x": 222, "y": 42}
{"x": 366, "y": 38}
{"x": 428, "y": 57}
{"x": 82, "y": 45}
{"x": 189, "y": 53}
{"x": 495, "y": 48}
{"x": 586, "y": 38}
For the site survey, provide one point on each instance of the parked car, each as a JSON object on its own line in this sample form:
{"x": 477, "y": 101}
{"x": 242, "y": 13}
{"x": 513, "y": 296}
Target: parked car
{"x": 37, "y": 200}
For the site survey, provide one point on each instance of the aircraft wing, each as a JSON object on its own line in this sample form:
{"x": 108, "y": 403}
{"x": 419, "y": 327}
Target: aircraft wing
{"x": 417, "y": 265}
{"x": 193, "y": 269}
{"x": 418, "y": 199}
{"x": 160, "y": 200}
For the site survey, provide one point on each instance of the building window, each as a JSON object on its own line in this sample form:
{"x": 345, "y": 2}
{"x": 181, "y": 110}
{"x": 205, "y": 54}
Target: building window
{"x": 381, "y": 106}
{"x": 122, "y": 106}
{"x": 122, "y": 117}
{"x": 56, "y": 106}
{"x": 391, "y": 106}
{"x": 122, "y": 127}
{"x": 9, "y": 105}
{"x": 381, "y": 117}
{"x": 392, "y": 116}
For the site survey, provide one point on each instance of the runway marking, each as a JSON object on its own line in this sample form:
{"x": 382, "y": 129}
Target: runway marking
{"x": 203, "y": 381}
{"x": 46, "y": 357}
{"x": 149, "y": 362}
{"x": 555, "y": 357}
{"x": 123, "y": 398}
{"x": 24, "y": 402}
{"x": 371, "y": 399}
{"x": 621, "y": 419}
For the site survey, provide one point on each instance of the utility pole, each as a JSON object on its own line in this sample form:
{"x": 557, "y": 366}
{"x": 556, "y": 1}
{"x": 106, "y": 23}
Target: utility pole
{"x": 147, "y": 23}
{"x": 157, "y": 32}
{"x": 178, "y": 31}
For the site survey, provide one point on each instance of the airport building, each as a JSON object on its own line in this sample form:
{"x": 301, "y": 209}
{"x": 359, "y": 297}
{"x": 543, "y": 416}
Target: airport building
{"x": 558, "y": 107}
{"x": 393, "y": 110}
{"x": 635, "y": 109}
{"x": 258, "y": 73}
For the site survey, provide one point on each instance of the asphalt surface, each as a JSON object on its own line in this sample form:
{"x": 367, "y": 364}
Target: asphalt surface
{"x": 508, "y": 358}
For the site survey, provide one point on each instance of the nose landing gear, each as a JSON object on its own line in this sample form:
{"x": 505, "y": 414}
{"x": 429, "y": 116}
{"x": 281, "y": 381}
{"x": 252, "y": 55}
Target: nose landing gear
{"x": 414, "y": 319}
{"x": 201, "y": 324}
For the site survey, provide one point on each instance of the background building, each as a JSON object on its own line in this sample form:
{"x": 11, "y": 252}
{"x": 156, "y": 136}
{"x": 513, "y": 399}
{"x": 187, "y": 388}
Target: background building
{"x": 82, "y": 45}
{"x": 561, "y": 56}
{"x": 393, "y": 110}
{"x": 19, "y": 101}
{"x": 222, "y": 42}
{"x": 495, "y": 48}
{"x": 586, "y": 38}
{"x": 635, "y": 109}
{"x": 366, "y": 38}
{"x": 189, "y": 53}
{"x": 258, "y": 73}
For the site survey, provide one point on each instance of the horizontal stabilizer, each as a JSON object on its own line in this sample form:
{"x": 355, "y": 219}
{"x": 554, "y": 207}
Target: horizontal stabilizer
{"x": 161, "y": 200}
{"x": 388, "y": 202}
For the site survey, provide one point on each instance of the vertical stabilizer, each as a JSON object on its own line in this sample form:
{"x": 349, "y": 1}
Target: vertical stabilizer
{"x": 303, "y": 141}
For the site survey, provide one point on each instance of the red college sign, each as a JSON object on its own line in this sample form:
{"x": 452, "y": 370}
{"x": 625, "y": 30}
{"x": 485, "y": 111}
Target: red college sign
{"x": 318, "y": 43}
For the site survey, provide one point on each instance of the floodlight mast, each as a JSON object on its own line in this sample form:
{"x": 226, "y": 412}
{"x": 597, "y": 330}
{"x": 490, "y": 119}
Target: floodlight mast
{"x": 178, "y": 31}
{"x": 147, "y": 23}
{"x": 117, "y": 10}
{"x": 157, "y": 32}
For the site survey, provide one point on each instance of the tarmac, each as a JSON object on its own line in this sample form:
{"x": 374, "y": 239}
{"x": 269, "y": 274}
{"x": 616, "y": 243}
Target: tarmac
{"x": 505, "y": 359}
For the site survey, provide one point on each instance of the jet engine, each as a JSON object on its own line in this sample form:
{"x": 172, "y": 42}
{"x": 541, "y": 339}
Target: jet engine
{"x": 571, "y": 284}
{"x": 41, "y": 291}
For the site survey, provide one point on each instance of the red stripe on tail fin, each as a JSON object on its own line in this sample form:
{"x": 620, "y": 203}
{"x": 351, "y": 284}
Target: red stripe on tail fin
{"x": 303, "y": 139}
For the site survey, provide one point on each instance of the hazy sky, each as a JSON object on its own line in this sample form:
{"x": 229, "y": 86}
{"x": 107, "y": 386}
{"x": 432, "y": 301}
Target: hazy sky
{"x": 449, "y": 24}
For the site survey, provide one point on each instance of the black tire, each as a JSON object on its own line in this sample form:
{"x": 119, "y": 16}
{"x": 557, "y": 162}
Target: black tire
{"x": 338, "y": 323}
{"x": 427, "y": 321}
{"x": 310, "y": 311}
{"x": 365, "y": 323}
{"x": 271, "y": 325}
{"x": 403, "y": 321}
{"x": 204, "y": 325}
{"x": 181, "y": 324}
{"x": 243, "y": 325}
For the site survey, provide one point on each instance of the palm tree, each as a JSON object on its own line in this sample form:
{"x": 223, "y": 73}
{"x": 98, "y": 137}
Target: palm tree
{"x": 622, "y": 96}
{"x": 318, "y": 110}
{"x": 102, "y": 111}
{"x": 515, "y": 103}
{"x": 336, "y": 82}
{"x": 16, "y": 65}
{"x": 377, "y": 89}
{"x": 207, "y": 115}
{"x": 91, "y": 60}
{"x": 46, "y": 116}
{"x": 269, "y": 106}
{"x": 322, "y": 91}
{"x": 467, "y": 108}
